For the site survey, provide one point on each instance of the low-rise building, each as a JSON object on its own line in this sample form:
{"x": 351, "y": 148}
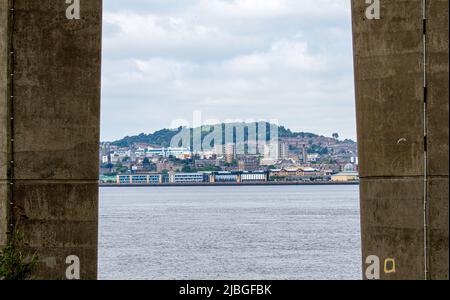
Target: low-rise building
{"x": 188, "y": 177}
{"x": 254, "y": 177}
{"x": 238, "y": 177}
{"x": 294, "y": 173}
{"x": 313, "y": 157}
{"x": 107, "y": 179}
{"x": 168, "y": 152}
{"x": 203, "y": 163}
{"x": 225, "y": 177}
{"x": 345, "y": 177}
{"x": 140, "y": 179}
{"x": 349, "y": 174}
{"x": 191, "y": 178}
{"x": 167, "y": 165}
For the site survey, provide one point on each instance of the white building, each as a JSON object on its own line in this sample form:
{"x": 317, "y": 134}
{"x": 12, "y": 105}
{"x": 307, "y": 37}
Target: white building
{"x": 283, "y": 151}
{"x": 230, "y": 152}
{"x": 167, "y": 152}
{"x": 219, "y": 149}
{"x": 313, "y": 157}
{"x": 254, "y": 177}
{"x": 271, "y": 150}
{"x": 186, "y": 177}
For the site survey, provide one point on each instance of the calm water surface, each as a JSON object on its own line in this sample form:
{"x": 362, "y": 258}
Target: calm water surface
{"x": 202, "y": 233}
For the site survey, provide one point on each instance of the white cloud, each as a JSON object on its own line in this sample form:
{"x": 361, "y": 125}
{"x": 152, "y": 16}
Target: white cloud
{"x": 244, "y": 8}
{"x": 283, "y": 57}
{"x": 167, "y": 36}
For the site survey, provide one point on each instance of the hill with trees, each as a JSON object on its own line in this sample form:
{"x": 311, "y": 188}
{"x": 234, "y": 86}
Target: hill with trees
{"x": 163, "y": 137}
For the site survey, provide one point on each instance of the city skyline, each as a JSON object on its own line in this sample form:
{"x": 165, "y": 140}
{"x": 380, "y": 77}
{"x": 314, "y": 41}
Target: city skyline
{"x": 279, "y": 59}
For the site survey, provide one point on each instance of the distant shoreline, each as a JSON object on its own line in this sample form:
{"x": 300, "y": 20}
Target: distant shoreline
{"x": 115, "y": 185}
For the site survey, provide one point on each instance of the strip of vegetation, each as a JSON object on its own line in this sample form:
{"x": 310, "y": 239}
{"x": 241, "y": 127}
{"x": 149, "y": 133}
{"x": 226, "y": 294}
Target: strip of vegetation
{"x": 15, "y": 264}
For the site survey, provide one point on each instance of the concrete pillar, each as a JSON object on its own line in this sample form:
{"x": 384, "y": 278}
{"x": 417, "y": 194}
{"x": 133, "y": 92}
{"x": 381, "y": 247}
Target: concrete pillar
{"x": 53, "y": 139}
{"x": 404, "y": 176}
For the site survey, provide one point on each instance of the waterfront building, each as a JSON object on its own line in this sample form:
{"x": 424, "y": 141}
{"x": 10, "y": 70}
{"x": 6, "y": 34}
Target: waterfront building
{"x": 139, "y": 179}
{"x": 349, "y": 174}
{"x": 254, "y": 177}
{"x": 226, "y": 177}
{"x": 238, "y": 177}
{"x": 188, "y": 177}
{"x": 294, "y": 173}
{"x": 108, "y": 179}
{"x": 346, "y": 176}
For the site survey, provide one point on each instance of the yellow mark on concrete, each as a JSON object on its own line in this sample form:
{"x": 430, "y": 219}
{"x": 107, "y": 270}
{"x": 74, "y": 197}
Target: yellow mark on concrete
{"x": 389, "y": 262}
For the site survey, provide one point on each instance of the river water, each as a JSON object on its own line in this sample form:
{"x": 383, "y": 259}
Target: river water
{"x": 207, "y": 233}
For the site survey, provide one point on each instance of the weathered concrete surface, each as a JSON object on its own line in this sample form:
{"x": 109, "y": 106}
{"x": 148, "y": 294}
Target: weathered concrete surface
{"x": 389, "y": 79}
{"x": 392, "y": 224}
{"x": 438, "y": 233}
{"x": 56, "y": 131}
{"x": 3, "y": 120}
{"x": 437, "y": 72}
{"x": 389, "y": 89}
{"x": 438, "y": 135}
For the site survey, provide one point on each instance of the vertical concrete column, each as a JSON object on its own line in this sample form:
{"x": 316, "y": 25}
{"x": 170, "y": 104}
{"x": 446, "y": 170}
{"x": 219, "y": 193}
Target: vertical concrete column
{"x": 401, "y": 72}
{"x": 3, "y": 121}
{"x": 437, "y": 73}
{"x": 53, "y": 76}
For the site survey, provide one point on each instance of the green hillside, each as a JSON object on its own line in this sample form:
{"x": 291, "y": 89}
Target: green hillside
{"x": 164, "y": 136}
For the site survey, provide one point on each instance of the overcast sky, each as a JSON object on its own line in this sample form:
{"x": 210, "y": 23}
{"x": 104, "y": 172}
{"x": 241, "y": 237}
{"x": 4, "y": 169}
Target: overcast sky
{"x": 289, "y": 60}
